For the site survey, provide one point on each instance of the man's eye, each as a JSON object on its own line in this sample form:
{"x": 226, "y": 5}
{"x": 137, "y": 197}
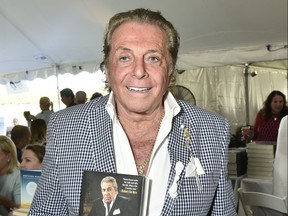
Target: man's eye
{"x": 153, "y": 59}
{"x": 124, "y": 58}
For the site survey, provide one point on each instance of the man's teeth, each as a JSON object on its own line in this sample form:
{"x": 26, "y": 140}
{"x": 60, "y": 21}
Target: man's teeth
{"x": 138, "y": 89}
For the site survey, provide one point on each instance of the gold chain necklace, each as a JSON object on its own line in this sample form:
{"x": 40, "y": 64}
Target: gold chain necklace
{"x": 141, "y": 167}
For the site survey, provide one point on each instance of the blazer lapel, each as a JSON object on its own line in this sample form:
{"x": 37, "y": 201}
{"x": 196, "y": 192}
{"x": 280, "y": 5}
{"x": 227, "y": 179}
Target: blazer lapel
{"x": 101, "y": 138}
{"x": 179, "y": 153}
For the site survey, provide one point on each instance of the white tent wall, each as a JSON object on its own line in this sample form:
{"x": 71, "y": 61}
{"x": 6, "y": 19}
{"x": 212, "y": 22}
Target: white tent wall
{"x": 49, "y": 71}
{"x": 218, "y": 89}
{"x": 222, "y": 90}
{"x": 13, "y": 102}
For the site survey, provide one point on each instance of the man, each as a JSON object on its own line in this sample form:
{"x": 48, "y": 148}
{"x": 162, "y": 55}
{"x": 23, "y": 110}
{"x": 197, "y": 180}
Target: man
{"x": 67, "y": 97}
{"x": 21, "y": 137}
{"x": 81, "y": 97}
{"x": 139, "y": 129}
{"x": 45, "y": 113}
{"x": 111, "y": 203}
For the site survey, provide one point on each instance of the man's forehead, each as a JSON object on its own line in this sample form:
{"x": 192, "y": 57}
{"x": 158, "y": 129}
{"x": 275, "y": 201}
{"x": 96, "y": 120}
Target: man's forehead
{"x": 107, "y": 184}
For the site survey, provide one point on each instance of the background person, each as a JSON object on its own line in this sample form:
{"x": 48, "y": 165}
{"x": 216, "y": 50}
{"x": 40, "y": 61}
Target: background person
{"x": 268, "y": 118}
{"x": 139, "y": 129}
{"x": 21, "y": 136}
{"x": 95, "y": 95}
{"x": 32, "y": 156}
{"x": 80, "y": 97}
{"x": 46, "y": 107}
{"x": 67, "y": 97}
{"x": 10, "y": 189}
{"x": 110, "y": 203}
{"x": 38, "y": 131}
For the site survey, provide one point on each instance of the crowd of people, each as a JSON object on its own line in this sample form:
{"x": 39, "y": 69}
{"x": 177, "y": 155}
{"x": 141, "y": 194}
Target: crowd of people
{"x": 139, "y": 128}
{"x": 25, "y": 147}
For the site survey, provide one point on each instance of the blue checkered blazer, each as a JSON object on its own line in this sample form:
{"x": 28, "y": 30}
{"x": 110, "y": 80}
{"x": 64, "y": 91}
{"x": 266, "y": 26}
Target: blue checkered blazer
{"x": 80, "y": 138}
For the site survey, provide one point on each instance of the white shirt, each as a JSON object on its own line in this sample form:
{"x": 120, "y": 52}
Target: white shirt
{"x": 159, "y": 162}
{"x": 45, "y": 115}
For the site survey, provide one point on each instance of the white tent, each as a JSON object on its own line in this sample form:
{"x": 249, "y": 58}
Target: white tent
{"x": 43, "y": 34}
{"x": 52, "y": 37}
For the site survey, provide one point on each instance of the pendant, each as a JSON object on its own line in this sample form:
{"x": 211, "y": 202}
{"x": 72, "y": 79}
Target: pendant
{"x": 140, "y": 169}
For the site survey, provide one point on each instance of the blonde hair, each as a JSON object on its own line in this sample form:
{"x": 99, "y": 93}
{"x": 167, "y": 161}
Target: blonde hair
{"x": 8, "y": 147}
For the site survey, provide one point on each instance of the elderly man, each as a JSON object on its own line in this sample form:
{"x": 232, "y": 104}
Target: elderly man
{"x": 139, "y": 128}
{"x": 45, "y": 105}
{"x": 110, "y": 203}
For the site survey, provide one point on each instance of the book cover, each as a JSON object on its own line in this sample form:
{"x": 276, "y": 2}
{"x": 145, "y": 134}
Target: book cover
{"x": 29, "y": 180}
{"x": 96, "y": 195}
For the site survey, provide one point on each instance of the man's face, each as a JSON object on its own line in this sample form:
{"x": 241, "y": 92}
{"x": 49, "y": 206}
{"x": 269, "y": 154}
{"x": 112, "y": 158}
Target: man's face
{"x": 66, "y": 100}
{"x": 108, "y": 191}
{"x": 138, "y": 69}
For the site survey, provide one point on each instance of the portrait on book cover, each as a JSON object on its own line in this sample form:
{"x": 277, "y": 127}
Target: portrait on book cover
{"x": 107, "y": 194}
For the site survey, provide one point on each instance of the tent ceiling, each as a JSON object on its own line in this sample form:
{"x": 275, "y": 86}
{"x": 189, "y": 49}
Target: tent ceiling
{"x": 212, "y": 33}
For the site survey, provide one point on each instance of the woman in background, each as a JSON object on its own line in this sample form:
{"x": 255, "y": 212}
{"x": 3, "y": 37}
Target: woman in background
{"x": 268, "y": 118}
{"x": 10, "y": 188}
{"x": 38, "y": 131}
{"x": 32, "y": 156}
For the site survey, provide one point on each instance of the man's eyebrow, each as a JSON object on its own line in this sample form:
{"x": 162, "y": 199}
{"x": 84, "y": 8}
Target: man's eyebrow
{"x": 121, "y": 48}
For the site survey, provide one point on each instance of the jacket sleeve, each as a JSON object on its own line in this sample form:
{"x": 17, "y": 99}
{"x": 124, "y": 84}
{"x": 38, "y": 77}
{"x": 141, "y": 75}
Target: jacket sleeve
{"x": 48, "y": 198}
{"x": 224, "y": 202}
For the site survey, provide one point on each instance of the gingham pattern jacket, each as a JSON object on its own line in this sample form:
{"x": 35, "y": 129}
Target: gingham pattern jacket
{"x": 80, "y": 138}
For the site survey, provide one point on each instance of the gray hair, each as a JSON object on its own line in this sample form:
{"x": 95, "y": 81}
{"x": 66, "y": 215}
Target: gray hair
{"x": 142, "y": 15}
{"x": 112, "y": 180}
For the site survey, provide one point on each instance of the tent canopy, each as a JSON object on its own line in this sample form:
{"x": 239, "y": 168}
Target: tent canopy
{"x": 43, "y": 34}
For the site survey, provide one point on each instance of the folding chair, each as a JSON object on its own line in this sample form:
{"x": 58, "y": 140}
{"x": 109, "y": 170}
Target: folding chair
{"x": 250, "y": 199}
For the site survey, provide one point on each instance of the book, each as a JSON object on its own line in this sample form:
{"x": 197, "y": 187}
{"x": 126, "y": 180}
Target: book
{"x": 236, "y": 154}
{"x": 261, "y": 164}
{"x": 260, "y": 160}
{"x": 261, "y": 148}
{"x": 237, "y": 161}
{"x": 260, "y": 169}
{"x": 132, "y": 190}
{"x": 29, "y": 180}
{"x": 260, "y": 155}
{"x": 260, "y": 175}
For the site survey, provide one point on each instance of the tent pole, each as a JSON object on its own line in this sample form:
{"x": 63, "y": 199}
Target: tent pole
{"x": 57, "y": 80}
{"x": 246, "y": 73}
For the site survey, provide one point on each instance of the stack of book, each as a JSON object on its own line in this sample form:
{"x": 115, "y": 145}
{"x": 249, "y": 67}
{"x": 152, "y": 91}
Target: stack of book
{"x": 237, "y": 162}
{"x": 260, "y": 160}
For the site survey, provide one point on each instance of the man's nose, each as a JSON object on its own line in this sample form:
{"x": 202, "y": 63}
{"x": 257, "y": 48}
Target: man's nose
{"x": 139, "y": 71}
